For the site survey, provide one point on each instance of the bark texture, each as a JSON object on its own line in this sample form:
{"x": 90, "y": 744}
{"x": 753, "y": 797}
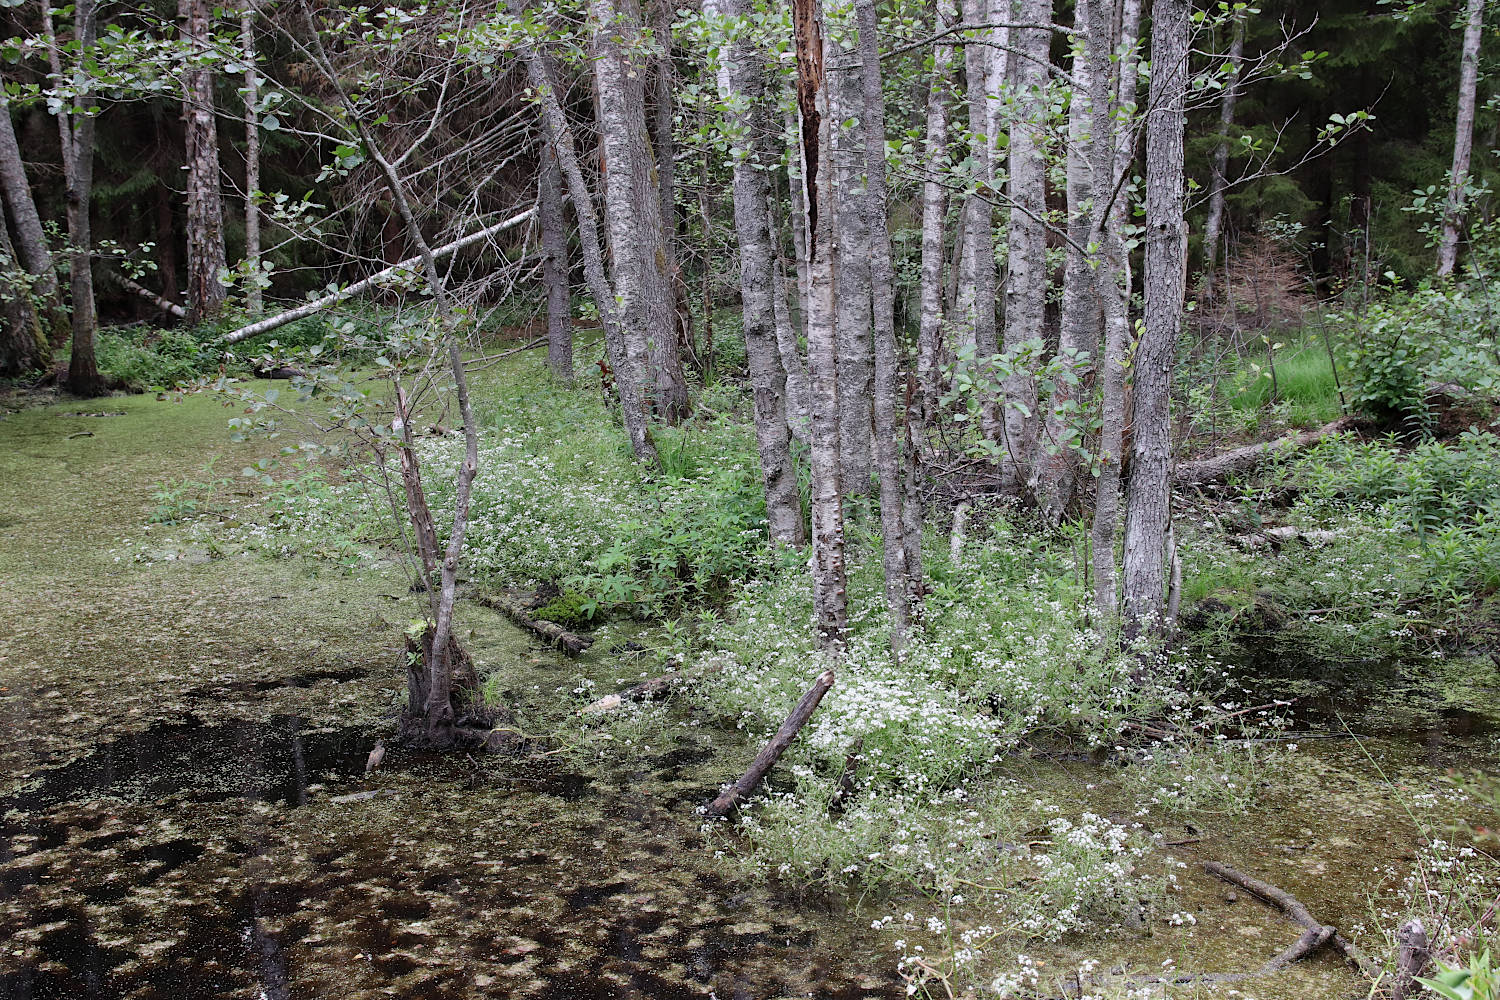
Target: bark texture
{"x": 934, "y": 214}
{"x": 254, "y": 303}
{"x": 29, "y": 239}
{"x": 889, "y": 424}
{"x": 1026, "y": 283}
{"x": 830, "y": 606}
{"x": 205, "y": 213}
{"x": 742, "y": 87}
{"x": 555, "y": 266}
{"x": 1148, "y": 515}
{"x": 77, "y": 134}
{"x": 23, "y": 345}
{"x": 852, "y": 274}
{"x": 1463, "y": 137}
{"x": 632, "y": 201}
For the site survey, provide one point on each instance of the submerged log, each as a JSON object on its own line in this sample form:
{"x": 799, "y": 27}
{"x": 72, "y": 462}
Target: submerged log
{"x": 1295, "y": 909}
{"x": 1246, "y": 459}
{"x": 648, "y": 690}
{"x": 572, "y": 643}
{"x": 773, "y": 750}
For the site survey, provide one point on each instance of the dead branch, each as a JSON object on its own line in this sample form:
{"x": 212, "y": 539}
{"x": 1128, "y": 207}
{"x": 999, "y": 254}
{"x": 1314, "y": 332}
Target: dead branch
{"x": 1296, "y": 910}
{"x": 166, "y": 305}
{"x": 773, "y": 750}
{"x": 649, "y": 690}
{"x": 410, "y": 265}
{"x": 1239, "y": 460}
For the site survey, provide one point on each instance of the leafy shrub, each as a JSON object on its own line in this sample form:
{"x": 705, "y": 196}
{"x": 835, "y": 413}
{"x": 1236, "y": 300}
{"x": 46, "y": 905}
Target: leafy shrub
{"x": 153, "y": 359}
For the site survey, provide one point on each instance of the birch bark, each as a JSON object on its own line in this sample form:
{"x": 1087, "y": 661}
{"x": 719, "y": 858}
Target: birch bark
{"x": 934, "y": 213}
{"x": 1463, "y": 137}
{"x": 555, "y": 265}
{"x": 253, "y": 294}
{"x": 741, "y": 80}
{"x": 1148, "y": 515}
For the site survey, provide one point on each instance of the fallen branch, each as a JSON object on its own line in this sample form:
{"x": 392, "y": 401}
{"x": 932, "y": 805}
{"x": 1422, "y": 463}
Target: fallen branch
{"x": 411, "y": 264}
{"x": 1295, "y": 909}
{"x": 571, "y": 643}
{"x": 656, "y": 687}
{"x": 773, "y": 750}
{"x": 1209, "y": 470}
{"x": 166, "y": 305}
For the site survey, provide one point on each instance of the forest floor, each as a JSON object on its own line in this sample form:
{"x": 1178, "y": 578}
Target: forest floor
{"x": 198, "y": 682}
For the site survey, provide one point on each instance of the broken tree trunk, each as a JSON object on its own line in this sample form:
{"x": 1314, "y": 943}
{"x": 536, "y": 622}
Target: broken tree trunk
{"x": 571, "y": 643}
{"x": 410, "y": 265}
{"x": 648, "y": 690}
{"x": 1413, "y": 955}
{"x": 773, "y": 750}
{"x": 161, "y": 302}
{"x": 1239, "y": 460}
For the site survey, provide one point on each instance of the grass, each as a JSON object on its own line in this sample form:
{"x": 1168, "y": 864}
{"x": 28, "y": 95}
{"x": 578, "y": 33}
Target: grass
{"x": 1305, "y": 385}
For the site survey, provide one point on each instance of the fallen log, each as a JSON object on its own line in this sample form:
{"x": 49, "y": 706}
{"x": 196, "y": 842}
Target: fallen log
{"x": 773, "y": 750}
{"x": 648, "y": 690}
{"x": 572, "y": 643}
{"x": 1211, "y": 470}
{"x": 349, "y": 291}
{"x": 166, "y": 305}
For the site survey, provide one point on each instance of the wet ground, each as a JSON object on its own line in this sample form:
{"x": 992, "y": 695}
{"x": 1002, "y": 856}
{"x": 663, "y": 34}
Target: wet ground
{"x": 184, "y": 810}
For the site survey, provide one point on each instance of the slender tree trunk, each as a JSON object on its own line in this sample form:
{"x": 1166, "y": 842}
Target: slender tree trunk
{"x": 798, "y": 408}
{"x": 1463, "y": 138}
{"x": 205, "y": 215}
{"x": 1148, "y": 515}
{"x": 664, "y": 147}
{"x": 742, "y": 89}
{"x": 555, "y": 266}
{"x": 889, "y": 423}
{"x": 852, "y": 275}
{"x": 934, "y": 215}
{"x": 77, "y": 130}
{"x": 31, "y": 249}
{"x": 1219, "y": 177}
{"x": 976, "y": 301}
{"x": 1026, "y": 281}
{"x": 830, "y": 606}
{"x": 1081, "y": 327}
{"x": 1113, "y": 127}
{"x": 23, "y": 345}
{"x": 797, "y": 197}
{"x": 632, "y": 200}
{"x": 253, "y": 294}
{"x": 560, "y": 137}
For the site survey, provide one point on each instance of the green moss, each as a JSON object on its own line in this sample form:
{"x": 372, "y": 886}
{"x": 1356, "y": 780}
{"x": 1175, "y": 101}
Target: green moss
{"x": 566, "y": 610}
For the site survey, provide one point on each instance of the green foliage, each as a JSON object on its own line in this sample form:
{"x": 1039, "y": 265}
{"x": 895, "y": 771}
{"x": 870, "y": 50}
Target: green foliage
{"x": 188, "y": 498}
{"x": 143, "y": 359}
{"x": 567, "y": 610}
{"x": 1475, "y": 981}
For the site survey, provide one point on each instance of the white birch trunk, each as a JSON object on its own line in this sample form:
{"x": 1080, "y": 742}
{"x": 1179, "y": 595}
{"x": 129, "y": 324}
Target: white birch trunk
{"x": 1148, "y": 515}
{"x": 934, "y": 213}
{"x": 1463, "y": 138}
{"x": 253, "y": 295}
{"x": 555, "y": 265}
{"x": 205, "y": 212}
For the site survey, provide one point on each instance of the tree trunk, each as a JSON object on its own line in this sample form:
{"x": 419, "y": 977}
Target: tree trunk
{"x": 664, "y": 147}
{"x": 1113, "y": 152}
{"x": 934, "y": 215}
{"x": 253, "y": 293}
{"x": 23, "y": 345}
{"x": 830, "y": 606}
{"x": 1057, "y": 460}
{"x": 78, "y": 172}
{"x": 1026, "y": 282}
{"x": 560, "y": 136}
{"x": 30, "y": 241}
{"x": 977, "y": 262}
{"x": 632, "y": 201}
{"x": 1463, "y": 138}
{"x": 205, "y": 214}
{"x": 1218, "y": 178}
{"x": 742, "y": 89}
{"x": 852, "y": 275}
{"x": 1149, "y": 507}
{"x": 888, "y": 422}
{"x": 555, "y": 266}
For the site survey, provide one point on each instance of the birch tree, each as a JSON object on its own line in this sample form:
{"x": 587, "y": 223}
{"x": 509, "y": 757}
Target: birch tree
{"x": 1463, "y": 138}
{"x": 934, "y": 213}
{"x": 643, "y": 284}
{"x": 815, "y": 133}
{"x": 1149, "y": 511}
{"x": 254, "y": 279}
{"x": 555, "y": 264}
{"x": 742, "y": 92}
{"x": 30, "y": 239}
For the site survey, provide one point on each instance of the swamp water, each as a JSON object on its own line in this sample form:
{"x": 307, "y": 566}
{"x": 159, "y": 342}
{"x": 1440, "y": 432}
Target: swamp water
{"x": 184, "y": 813}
